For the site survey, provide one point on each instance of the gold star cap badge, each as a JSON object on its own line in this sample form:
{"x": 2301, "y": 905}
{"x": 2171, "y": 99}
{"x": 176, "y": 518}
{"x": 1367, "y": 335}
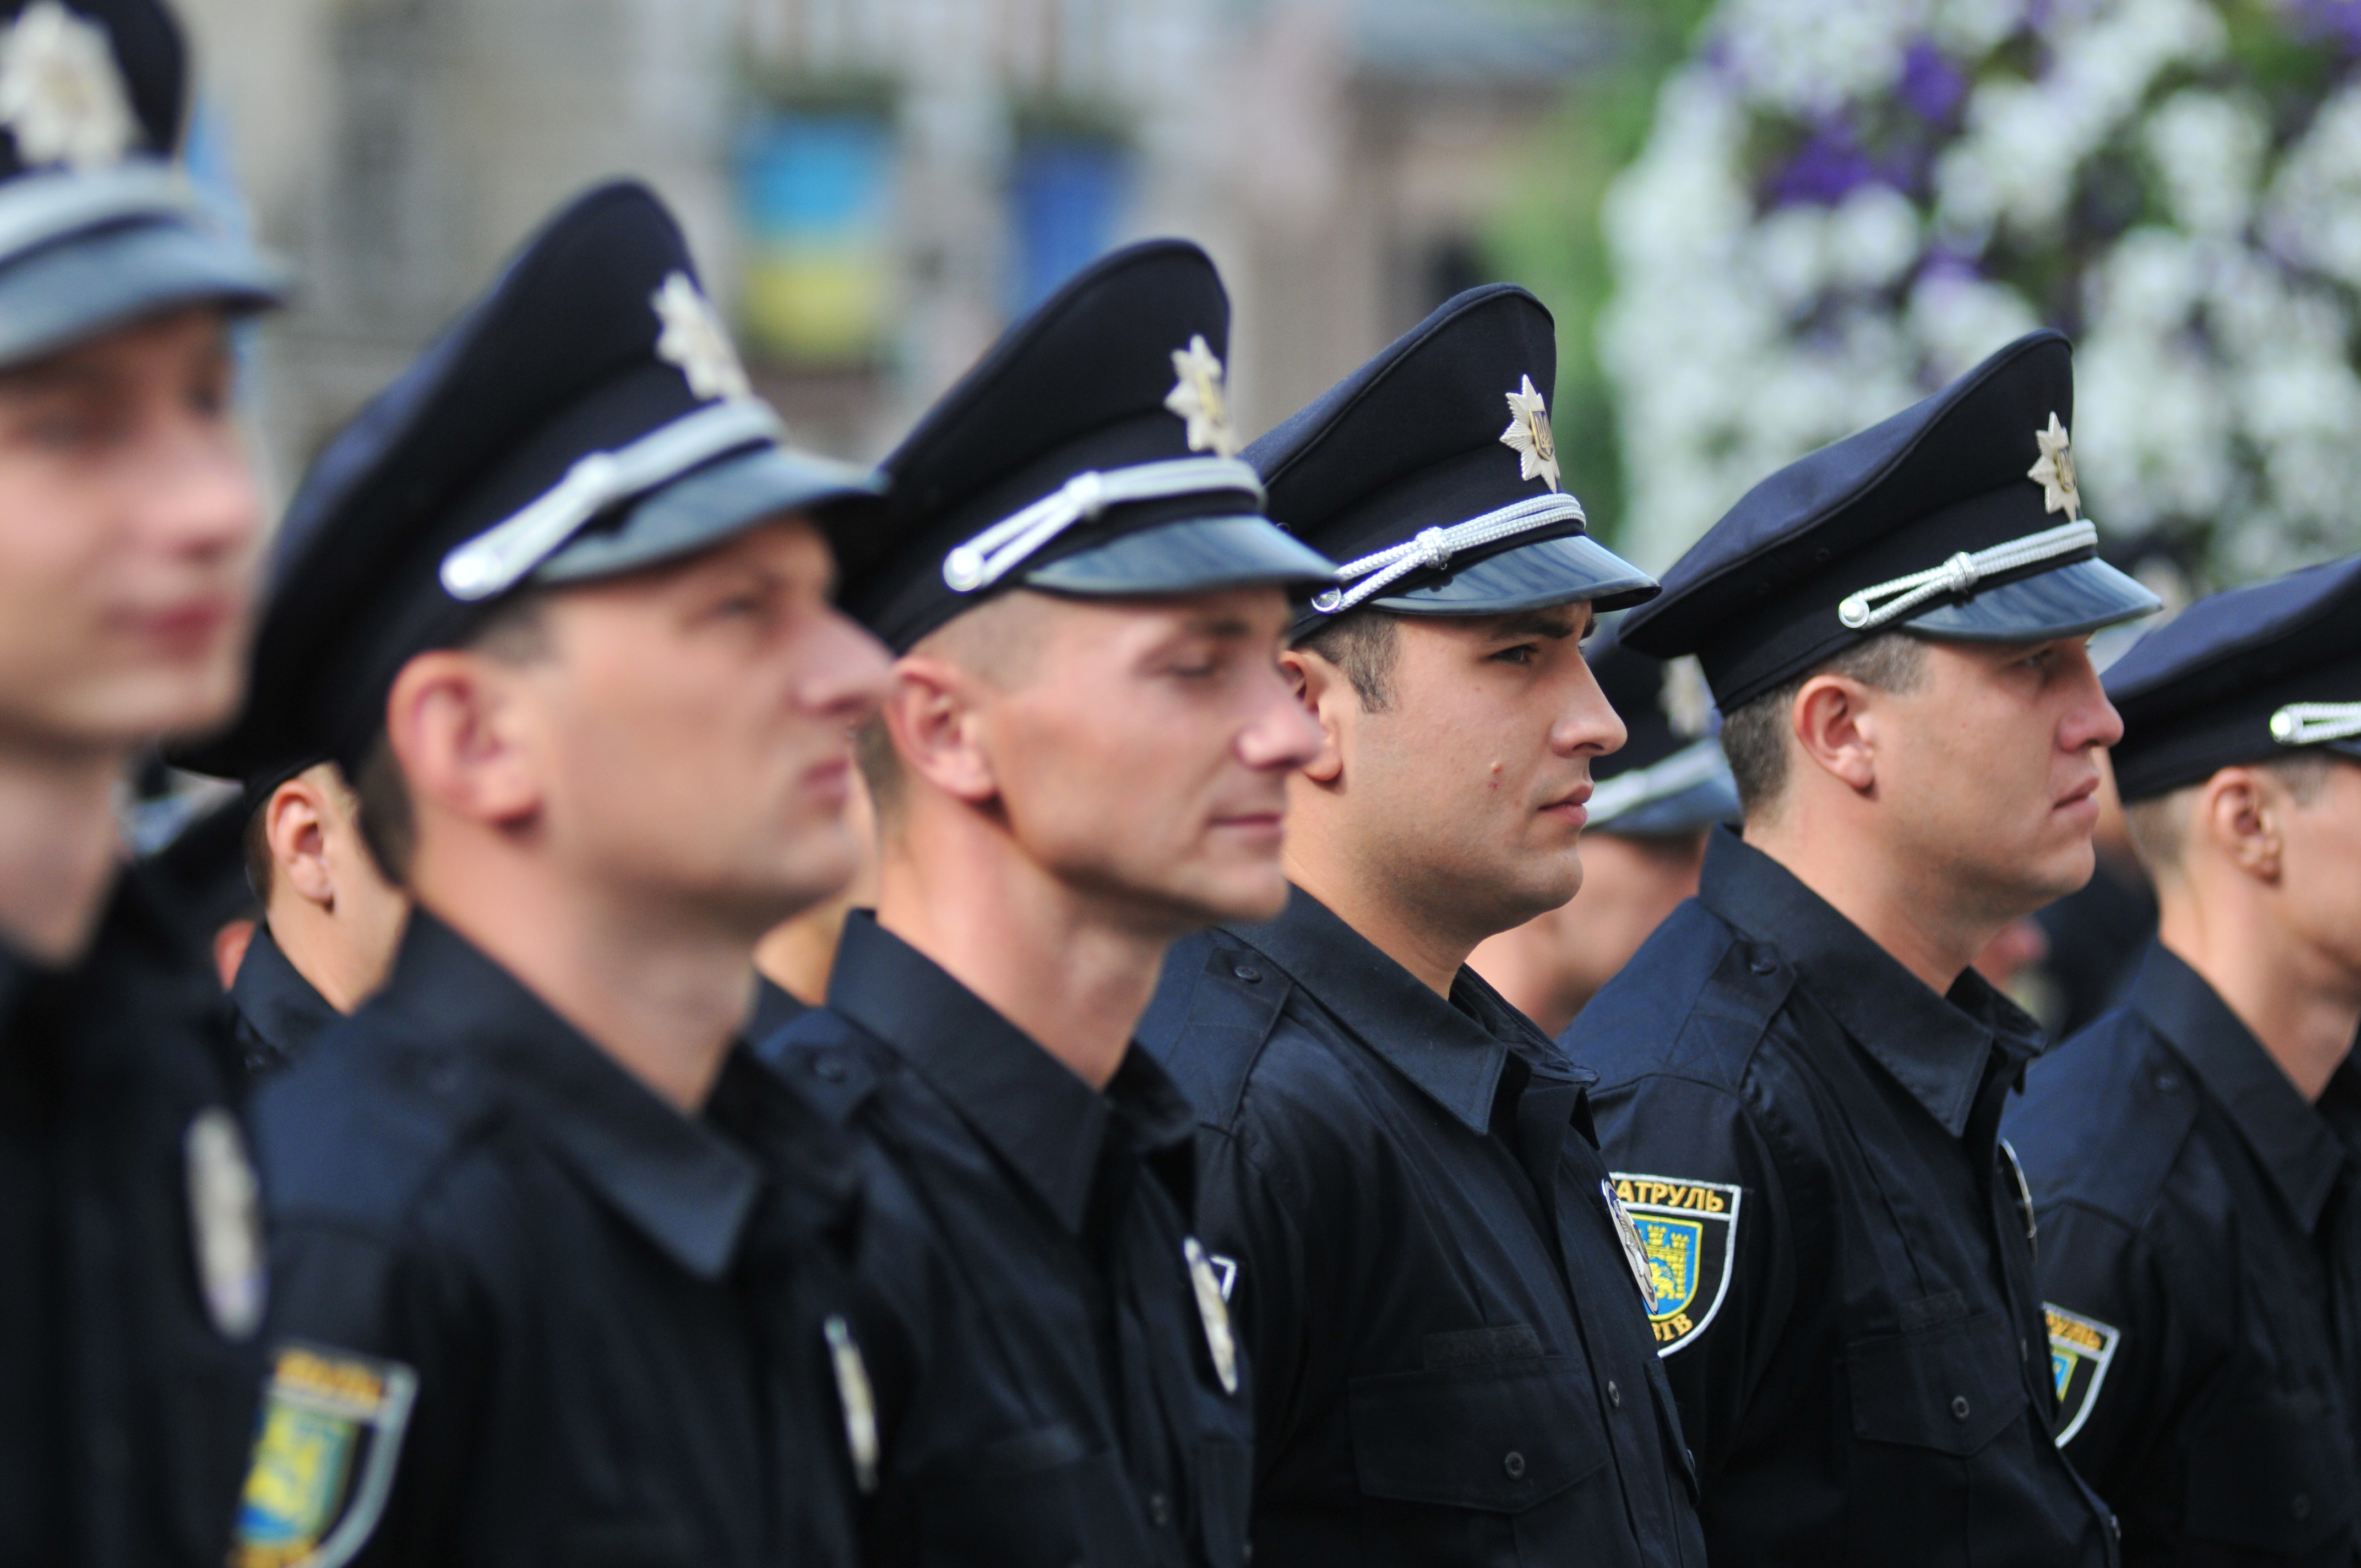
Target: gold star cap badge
{"x": 694, "y": 339}
{"x": 1528, "y": 435}
{"x": 61, "y": 95}
{"x": 2055, "y": 472}
{"x": 1199, "y": 396}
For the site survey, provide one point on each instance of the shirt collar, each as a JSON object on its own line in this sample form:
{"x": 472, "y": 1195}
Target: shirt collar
{"x": 276, "y": 1001}
{"x": 2290, "y": 1139}
{"x": 681, "y": 1181}
{"x": 1035, "y": 1113}
{"x": 1937, "y": 1048}
{"x": 1454, "y": 1053}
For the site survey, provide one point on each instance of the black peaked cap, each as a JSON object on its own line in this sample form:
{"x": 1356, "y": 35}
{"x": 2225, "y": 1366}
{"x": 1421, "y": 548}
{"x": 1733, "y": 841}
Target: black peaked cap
{"x": 570, "y": 354}
{"x": 1669, "y": 776}
{"x": 1087, "y": 384}
{"x": 1756, "y": 600}
{"x": 1414, "y": 440}
{"x": 96, "y": 227}
{"x": 2206, "y": 690}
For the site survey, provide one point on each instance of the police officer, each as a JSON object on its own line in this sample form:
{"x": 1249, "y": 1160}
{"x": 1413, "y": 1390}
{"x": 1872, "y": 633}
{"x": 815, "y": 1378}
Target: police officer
{"x": 555, "y": 1255}
{"x": 1653, "y": 805}
{"x": 2196, "y": 1153}
{"x": 131, "y": 1265}
{"x": 1801, "y": 1080}
{"x": 1082, "y": 757}
{"x": 1430, "y": 1273}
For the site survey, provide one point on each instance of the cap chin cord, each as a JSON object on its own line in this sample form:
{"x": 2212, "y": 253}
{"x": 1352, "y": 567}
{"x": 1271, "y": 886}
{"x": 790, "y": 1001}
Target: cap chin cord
{"x": 1431, "y": 549}
{"x": 1961, "y": 573}
{"x": 998, "y": 550}
{"x": 502, "y": 556}
{"x": 2310, "y": 723}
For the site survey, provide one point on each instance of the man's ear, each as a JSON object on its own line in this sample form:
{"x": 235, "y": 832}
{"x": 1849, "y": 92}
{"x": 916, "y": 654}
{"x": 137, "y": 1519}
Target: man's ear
{"x": 1831, "y": 724}
{"x": 459, "y": 734}
{"x": 1328, "y": 695}
{"x": 295, "y": 823}
{"x": 2239, "y": 811}
{"x": 940, "y": 725}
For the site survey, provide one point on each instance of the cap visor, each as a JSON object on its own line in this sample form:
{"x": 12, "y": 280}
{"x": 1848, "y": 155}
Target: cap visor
{"x": 710, "y": 505}
{"x": 92, "y": 283}
{"x": 1196, "y": 555}
{"x": 2076, "y": 598}
{"x": 1570, "y": 568}
{"x": 1691, "y": 810}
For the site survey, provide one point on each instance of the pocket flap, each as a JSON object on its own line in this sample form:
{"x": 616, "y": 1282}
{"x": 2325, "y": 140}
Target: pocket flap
{"x": 2275, "y": 1475}
{"x": 1499, "y": 1438}
{"x": 1952, "y": 1388}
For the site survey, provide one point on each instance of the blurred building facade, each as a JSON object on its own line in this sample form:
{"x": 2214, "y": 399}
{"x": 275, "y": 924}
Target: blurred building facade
{"x": 876, "y": 185}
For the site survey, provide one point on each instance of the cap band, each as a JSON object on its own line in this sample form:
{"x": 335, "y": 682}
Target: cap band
{"x": 992, "y": 554}
{"x": 498, "y": 558}
{"x": 2310, "y": 723}
{"x": 39, "y": 208}
{"x": 1686, "y": 769}
{"x": 1431, "y": 549}
{"x": 1961, "y": 573}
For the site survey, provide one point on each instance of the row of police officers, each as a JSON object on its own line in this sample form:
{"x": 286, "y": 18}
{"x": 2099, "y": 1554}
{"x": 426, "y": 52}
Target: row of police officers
{"x": 1157, "y": 1184}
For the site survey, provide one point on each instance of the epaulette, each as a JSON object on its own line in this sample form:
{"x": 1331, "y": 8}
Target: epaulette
{"x": 1695, "y": 1000}
{"x": 1213, "y": 1013}
{"x": 2104, "y": 1119}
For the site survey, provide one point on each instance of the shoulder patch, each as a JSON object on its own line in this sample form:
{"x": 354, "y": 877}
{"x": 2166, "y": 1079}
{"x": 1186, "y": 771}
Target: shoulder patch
{"x": 325, "y": 1451}
{"x": 1688, "y": 1231}
{"x": 2080, "y": 1349}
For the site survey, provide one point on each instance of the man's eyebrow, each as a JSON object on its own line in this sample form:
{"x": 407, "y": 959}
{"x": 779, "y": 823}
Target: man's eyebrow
{"x": 1552, "y": 623}
{"x": 1224, "y": 626}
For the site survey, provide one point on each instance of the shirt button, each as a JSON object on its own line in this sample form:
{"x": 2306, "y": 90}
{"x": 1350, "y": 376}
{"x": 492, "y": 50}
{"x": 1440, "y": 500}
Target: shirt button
{"x": 1614, "y": 1394}
{"x": 1761, "y": 965}
{"x": 2166, "y": 1081}
{"x": 2299, "y": 1506}
{"x": 1960, "y": 1407}
{"x": 1514, "y": 1464}
{"x": 829, "y": 1067}
{"x": 1248, "y": 973}
{"x": 1160, "y": 1509}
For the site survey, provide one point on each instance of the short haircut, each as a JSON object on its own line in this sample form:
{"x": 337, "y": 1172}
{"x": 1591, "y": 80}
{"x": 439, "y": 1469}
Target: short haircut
{"x": 2159, "y": 825}
{"x": 516, "y": 632}
{"x": 261, "y": 868}
{"x": 996, "y": 641}
{"x": 1755, "y": 737}
{"x": 1367, "y": 646}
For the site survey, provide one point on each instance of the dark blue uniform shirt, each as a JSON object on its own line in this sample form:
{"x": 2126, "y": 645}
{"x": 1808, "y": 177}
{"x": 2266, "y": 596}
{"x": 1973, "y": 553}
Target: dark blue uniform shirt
{"x": 125, "y": 1405}
{"x": 1049, "y": 1390}
{"x": 1845, "y": 1292}
{"x": 1453, "y": 1360}
{"x": 2201, "y": 1254}
{"x": 278, "y": 1012}
{"x": 612, "y": 1317}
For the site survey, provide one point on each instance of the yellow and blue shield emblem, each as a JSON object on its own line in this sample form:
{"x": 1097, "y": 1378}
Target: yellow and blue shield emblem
{"x": 325, "y": 1452}
{"x": 1688, "y": 1231}
{"x": 2080, "y": 1349}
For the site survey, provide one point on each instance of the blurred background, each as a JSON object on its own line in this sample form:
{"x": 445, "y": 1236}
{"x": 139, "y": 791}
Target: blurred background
{"x": 1760, "y": 224}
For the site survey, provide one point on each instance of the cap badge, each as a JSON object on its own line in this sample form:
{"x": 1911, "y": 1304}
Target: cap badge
{"x": 1686, "y": 698}
{"x": 694, "y": 339}
{"x": 226, "y": 1217}
{"x": 2055, "y": 472}
{"x": 61, "y": 95}
{"x": 1201, "y": 397}
{"x": 1528, "y": 435}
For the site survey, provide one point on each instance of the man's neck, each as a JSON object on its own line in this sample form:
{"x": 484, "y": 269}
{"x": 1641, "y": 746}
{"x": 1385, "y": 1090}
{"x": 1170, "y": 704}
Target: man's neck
{"x": 1911, "y": 912}
{"x": 656, "y": 987}
{"x": 1375, "y": 907}
{"x": 2301, "y": 1004}
{"x": 59, "y": 849}
{"x": 1066, "y": 968}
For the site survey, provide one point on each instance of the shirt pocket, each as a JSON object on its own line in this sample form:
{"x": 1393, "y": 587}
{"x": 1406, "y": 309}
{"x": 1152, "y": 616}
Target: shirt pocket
{"x": 1044, "y": 1497}
{"x": 2272, "y": 1474}
{"x": 1950, "y": 1390}
{"x": 1497, "y": 1439}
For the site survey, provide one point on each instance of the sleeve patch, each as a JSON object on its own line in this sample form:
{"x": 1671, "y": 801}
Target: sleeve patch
{"x": 2080, "y": 1349}
{"x": 325, "y": 1451}
{"x": 1688, "y": 1235}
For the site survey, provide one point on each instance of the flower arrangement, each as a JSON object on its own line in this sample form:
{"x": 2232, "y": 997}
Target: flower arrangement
{"x": 1843, "y": 203}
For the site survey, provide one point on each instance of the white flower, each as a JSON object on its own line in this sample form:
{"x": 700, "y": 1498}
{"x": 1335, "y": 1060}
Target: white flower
{"x": 2209, "y": 149}
{"x": 61, "y": 95}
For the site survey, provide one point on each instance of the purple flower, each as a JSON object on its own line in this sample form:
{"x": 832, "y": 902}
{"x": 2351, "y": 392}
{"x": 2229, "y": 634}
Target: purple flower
{"x": 1932, "y": 85}
{"x": 1829, "y": 166}
{"x": 2328, "y": 19}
